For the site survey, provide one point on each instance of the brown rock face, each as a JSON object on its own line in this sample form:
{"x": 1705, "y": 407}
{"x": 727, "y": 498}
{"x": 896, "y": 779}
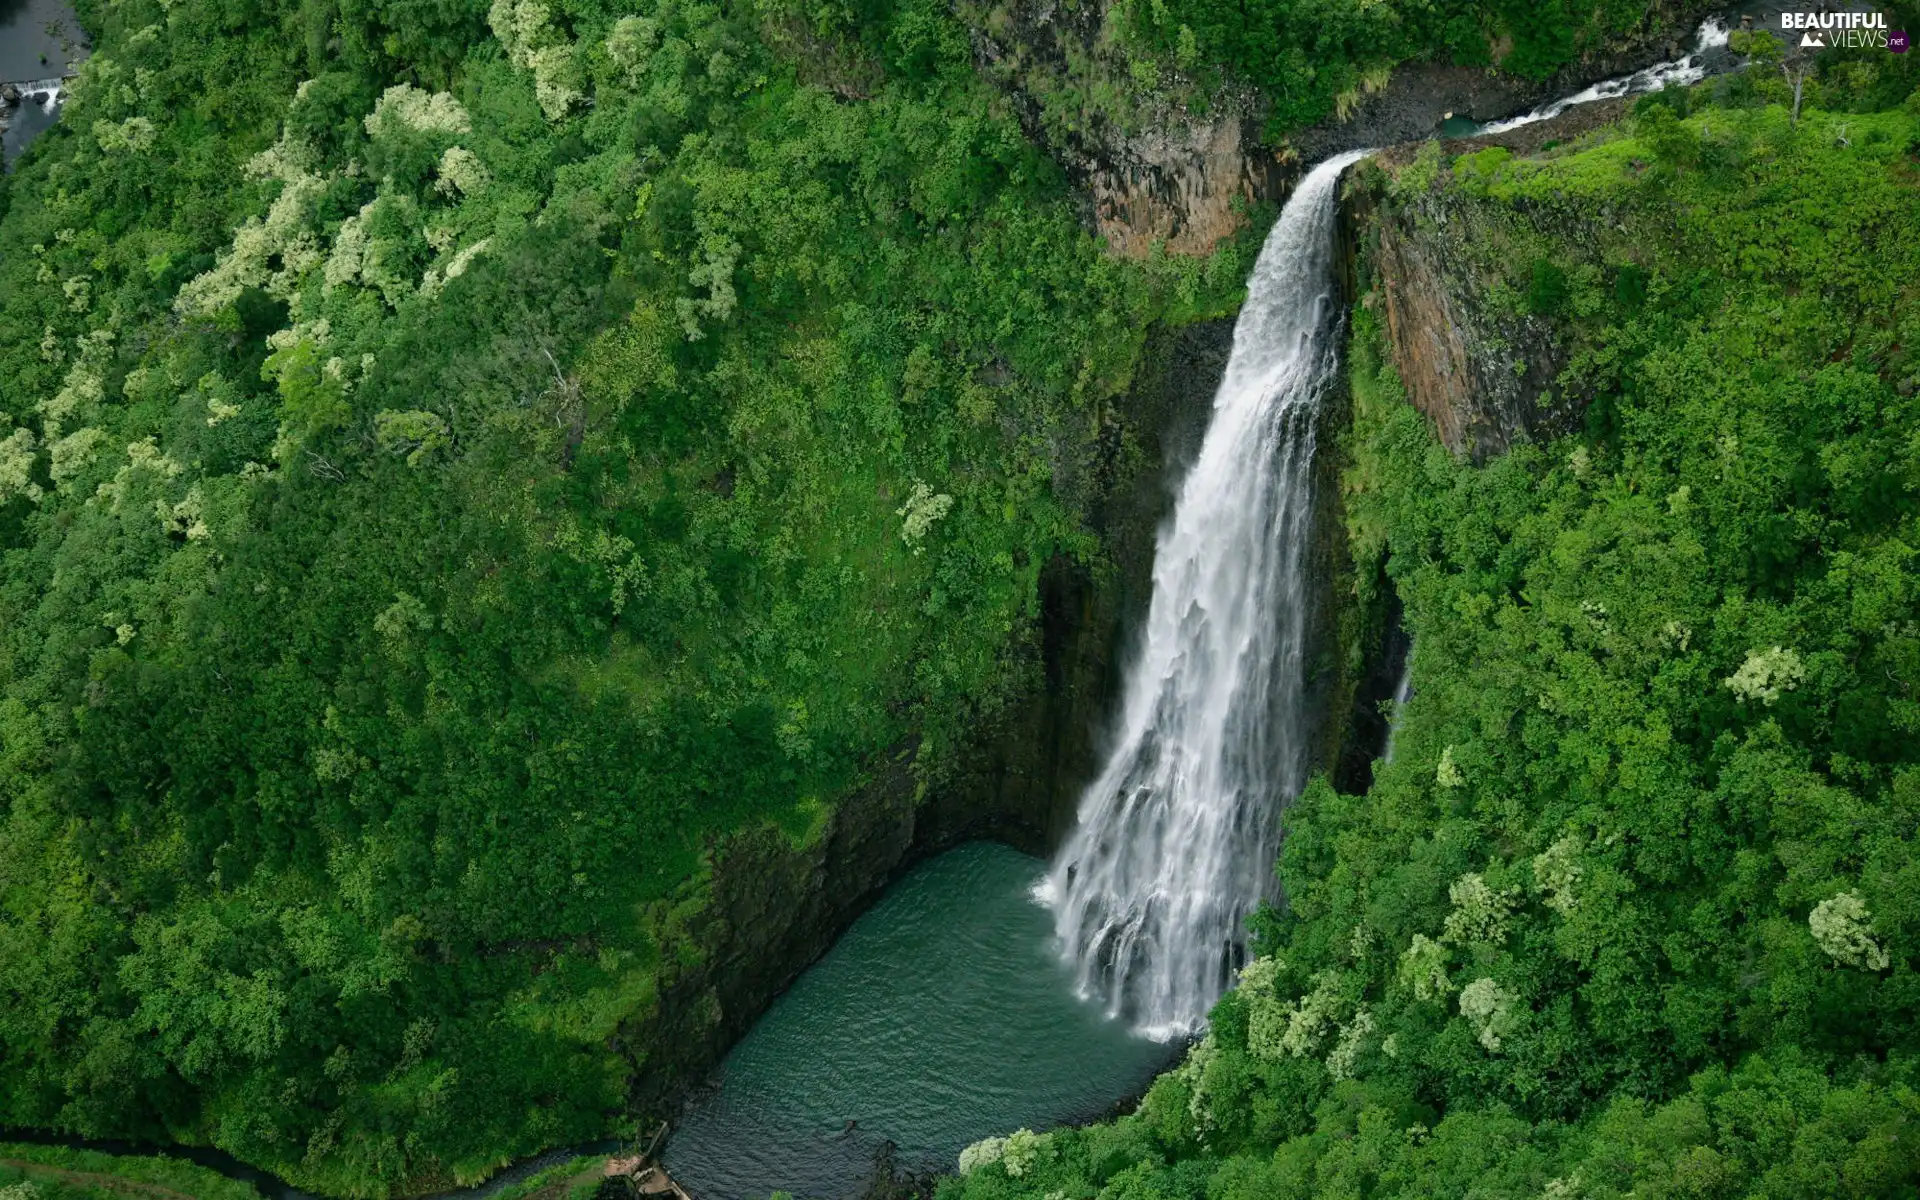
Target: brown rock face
{"x": 1453, "y": 273}
{"x": 1424, "y": 332}
{"x": 1188, "y": 186}
{"x": 1483, "y": 372}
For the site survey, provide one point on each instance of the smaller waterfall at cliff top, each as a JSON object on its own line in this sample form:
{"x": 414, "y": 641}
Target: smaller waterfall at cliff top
{"x": 1176, "y": 839}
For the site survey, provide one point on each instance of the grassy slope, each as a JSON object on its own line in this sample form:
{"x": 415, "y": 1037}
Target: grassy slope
{"x": 30, "y": 1172}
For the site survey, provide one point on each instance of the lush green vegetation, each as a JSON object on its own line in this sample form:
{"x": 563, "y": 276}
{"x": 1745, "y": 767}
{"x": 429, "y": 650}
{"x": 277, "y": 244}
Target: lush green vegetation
{"x": 1635, "y": 910}
{"x": 575, "y": 1179}
{"x": 30, "y": 1172}
{"x": 458, "y": 464}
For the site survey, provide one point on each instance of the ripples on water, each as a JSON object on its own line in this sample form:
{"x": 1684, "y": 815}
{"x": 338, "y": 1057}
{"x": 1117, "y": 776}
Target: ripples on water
{"x": 944, "y": 1015}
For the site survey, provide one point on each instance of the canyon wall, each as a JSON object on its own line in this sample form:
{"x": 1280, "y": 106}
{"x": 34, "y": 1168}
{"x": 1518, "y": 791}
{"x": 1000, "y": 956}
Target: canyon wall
{"x": 769, "y": 905}
{"x": 1473, "y": 291}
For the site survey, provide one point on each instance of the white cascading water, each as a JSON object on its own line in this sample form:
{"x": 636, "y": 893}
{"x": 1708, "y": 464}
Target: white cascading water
{"x": 1402, "y": 692}
{"x": 1680, "y": 72}
{"x": 1176, "y": 839}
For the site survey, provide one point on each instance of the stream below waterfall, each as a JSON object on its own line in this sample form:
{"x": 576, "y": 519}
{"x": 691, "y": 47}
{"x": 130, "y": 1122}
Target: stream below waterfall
{"x": 40, "y": 42}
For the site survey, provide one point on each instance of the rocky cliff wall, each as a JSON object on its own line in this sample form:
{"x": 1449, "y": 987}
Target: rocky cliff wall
{"x": 1447, "y": 269}
{"x": 769, "y": 906}
{"x": 1472, "y": 289}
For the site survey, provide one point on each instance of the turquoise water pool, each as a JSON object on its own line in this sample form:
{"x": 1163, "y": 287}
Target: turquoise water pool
{"x": 943, "y": 1016}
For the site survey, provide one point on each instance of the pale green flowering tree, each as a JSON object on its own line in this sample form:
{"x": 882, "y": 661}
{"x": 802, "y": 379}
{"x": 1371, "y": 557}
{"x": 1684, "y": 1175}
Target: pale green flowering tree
{"x": 1556, "y": 871}
{"x": 397, "y": 623}
{"x": 1310, "y": 1020}
{"x": 1193, "y": 1073}
{"x": 1346, "y": 1050}
{"x": 631, "y": 44}
{"x": 719, "y": 255}
{"x": 525, "y": 29}
{"x": 982, "y": 1153}
{"x": 285, "y": 236}
{"x": 462, "y": 172}
{"x": 438, "y": 277}
{"x": 1267, "y": 1013}
{"x": 1844, "y": 929}
{"x": 1488, "y": 1007}
{"x": 16, "y": 466}
{"x": 74, "y": 453}
{"x": 405, "y": 107}
{"x": 135, "y": 135}
{"x": 923, "y": 508}
{"x": 1479, "y": 912}
{"x": 1023, "y": 1150}
{"x": 1766, "y": 674}
{"x": 1424, "y": 969}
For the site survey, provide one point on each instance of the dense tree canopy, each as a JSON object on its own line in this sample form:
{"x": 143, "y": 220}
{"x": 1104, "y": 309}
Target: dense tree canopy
{"x": 1311, "y": 59}
{"x": 459, "y": 461}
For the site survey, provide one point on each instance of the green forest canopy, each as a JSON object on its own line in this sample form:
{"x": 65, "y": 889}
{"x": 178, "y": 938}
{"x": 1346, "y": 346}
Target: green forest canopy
{"x": 457, "y": 462}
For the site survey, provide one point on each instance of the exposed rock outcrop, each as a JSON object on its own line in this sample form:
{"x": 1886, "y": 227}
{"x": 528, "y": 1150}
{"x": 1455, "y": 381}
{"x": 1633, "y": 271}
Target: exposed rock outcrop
{"x": 1148, "y": 170}
{"x": 1466, "y": 287}
{"x": 1188, "y": 186}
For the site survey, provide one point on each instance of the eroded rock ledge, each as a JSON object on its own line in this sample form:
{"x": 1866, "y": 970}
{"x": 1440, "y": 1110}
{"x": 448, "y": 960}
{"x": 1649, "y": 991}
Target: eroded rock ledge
{"x": 1450, "y": 271}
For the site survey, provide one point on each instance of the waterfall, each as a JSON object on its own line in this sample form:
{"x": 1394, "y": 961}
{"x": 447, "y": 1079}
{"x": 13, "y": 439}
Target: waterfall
{"x": 1402, "y": 692}
{"x": 1176, "y": 839}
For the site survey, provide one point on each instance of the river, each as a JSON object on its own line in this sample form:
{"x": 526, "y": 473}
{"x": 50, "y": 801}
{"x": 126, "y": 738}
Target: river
{"x": 40, "y": 40}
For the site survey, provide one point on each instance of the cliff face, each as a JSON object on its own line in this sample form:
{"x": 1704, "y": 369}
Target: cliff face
{"x": 1483, "y": 373}
{"x": 1448, "y": 269}
{"x": 1188, "y": 186}
{"x": 1479, "y": 367}
{"x": 770, "y": 906}
{"x": 1472, "y": 289}
{"x": 1148, "y": 169}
